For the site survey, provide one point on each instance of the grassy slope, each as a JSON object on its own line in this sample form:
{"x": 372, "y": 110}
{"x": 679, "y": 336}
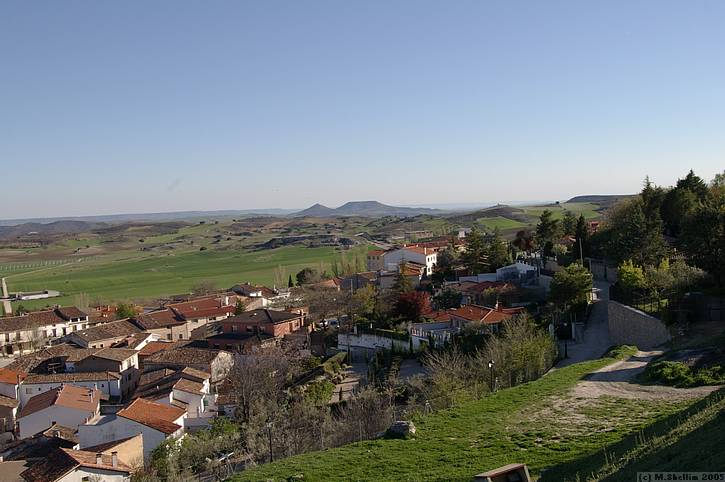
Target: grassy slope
{"x": 516, "y": 425}
{"x": 689, "y": 440}
{"x": 162, "y": 274}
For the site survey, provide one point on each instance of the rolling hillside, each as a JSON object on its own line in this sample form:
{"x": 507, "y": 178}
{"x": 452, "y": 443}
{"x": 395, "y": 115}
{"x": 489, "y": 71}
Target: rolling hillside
{"x": 365, "y": 209}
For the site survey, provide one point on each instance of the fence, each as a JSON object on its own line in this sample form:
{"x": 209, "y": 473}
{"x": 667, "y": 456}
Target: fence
{"x": 673, "y": 307}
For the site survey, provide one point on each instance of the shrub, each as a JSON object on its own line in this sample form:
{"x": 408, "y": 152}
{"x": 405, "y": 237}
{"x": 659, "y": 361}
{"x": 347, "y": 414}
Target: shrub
{"x": 677, "y": 374}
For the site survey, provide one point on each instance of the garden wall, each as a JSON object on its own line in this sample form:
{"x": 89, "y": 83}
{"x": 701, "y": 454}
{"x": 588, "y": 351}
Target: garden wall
{"x": 629, "y": 326}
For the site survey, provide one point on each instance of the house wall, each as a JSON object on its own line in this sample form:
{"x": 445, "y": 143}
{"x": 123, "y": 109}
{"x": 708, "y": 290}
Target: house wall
{"x": 633, "y": 327}
{"x": 394, "y": 258}
{"x": 42, "y": 419}
{"x": 7, "y": 418}
{"x": 111, "y": 388}
{"x": 119, "y": 428}
{"x": 8, "y": 390}
{"x": 128, "y": 369}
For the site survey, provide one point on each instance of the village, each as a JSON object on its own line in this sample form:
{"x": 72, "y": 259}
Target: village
{"x": 97, "y": 392}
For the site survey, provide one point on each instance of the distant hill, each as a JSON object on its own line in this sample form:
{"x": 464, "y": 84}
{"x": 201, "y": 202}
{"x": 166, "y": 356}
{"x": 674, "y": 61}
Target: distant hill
{"x": 365, "y": 209}
{"x": 57, "y": 227}
{"x": 601, "y": 199}
{"x": 171, "y": 216}
{"x": 501, "y": 210}
{"x": 315, "y": 211}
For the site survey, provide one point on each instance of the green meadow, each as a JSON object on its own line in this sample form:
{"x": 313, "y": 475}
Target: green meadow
{"x": 132, "y": 276}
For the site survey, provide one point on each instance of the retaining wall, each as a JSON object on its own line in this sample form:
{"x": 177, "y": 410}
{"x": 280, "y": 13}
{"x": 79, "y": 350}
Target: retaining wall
{"x": 629, "y": 326}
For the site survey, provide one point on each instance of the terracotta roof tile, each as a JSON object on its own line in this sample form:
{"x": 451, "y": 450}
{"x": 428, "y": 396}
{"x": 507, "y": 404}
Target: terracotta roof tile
{"x": 39, "y": 319}
{"x": 70, "y": 396}
{"x": 155, "y": 415}
{"x": 11, "y": 376}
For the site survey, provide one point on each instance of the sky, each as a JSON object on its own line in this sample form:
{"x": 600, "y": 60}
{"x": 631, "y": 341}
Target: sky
{"x": 133, "y": 106}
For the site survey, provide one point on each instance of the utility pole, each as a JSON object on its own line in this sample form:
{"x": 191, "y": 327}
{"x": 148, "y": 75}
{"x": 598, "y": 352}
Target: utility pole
{"x": 269, "y": 432}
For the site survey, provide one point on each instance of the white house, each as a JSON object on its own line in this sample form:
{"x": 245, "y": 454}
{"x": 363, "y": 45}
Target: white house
{"x": 10, "y": 381}
{"x": 155, "y": 421}
{"x": 31, "y": 331}
{"x": 415, "y": 254}
{"x": 107, "y": 383}
{"x": 67, "y": 405}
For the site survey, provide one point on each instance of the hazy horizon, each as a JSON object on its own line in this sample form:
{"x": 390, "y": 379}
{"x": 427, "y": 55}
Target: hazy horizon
{"x": 134, "y": 107}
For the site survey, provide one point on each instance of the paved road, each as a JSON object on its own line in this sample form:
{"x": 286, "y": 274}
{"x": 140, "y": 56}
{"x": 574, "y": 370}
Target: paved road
{"x": 595, "y": 340}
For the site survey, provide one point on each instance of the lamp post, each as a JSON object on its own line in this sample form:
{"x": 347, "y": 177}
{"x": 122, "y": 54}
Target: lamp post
{"x": 566, "y": 339}
{"x": 269, "y": 432}
{"x": 490, "y": 367}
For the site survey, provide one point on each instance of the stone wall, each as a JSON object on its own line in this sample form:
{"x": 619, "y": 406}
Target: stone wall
{"x": 629, "y": 326}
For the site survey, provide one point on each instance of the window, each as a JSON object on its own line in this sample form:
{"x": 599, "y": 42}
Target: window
{"x": 181, "y": 336}
{"x": 234, "y": 327}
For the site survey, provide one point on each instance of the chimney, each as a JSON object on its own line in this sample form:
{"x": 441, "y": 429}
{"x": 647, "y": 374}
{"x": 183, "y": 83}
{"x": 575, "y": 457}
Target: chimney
{"x": 114, "y": 459}
{"x": 99, "y": 458}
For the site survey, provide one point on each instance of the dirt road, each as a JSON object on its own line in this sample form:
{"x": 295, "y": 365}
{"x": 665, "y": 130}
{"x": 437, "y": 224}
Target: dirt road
{"x": 617, "y": 380}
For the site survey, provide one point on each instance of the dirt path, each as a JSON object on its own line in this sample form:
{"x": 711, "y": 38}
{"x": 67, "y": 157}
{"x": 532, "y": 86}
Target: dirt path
{"x": 617, "y": 380}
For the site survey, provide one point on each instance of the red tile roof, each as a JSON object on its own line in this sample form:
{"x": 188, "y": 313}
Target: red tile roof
{"x": 61, "y": 461}
{"x": 202, "y": 308}
{"x": 155, "y": 415}
{"x": 155, "y": 346}
{"x": 70, "y": 396}
{"x": 40, "y": 318}
{"x": 159, "y": 319}
{"x": 486, "y": 315}
{"x": 11, "y": 376}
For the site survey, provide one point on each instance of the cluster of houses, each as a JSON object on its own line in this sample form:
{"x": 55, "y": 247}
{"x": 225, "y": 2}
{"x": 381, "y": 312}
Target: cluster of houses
{"x": 89, "y": 397}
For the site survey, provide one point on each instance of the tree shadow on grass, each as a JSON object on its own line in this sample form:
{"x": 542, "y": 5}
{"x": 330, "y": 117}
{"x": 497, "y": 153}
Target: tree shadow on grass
{"x": 698, "y": 450}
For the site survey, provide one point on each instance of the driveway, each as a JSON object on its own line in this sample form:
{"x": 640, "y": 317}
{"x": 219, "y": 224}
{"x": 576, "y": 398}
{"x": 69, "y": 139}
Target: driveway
{"x": 595, "y": 340}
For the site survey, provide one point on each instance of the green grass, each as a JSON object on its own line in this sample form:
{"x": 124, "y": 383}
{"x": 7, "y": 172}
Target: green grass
{"x": 501, "y": 223}
{"x": 536, "y": 423}
{"x": 688, "y": 440}
{"x": 587, "y": 209}
{"x": 131, "y": 276}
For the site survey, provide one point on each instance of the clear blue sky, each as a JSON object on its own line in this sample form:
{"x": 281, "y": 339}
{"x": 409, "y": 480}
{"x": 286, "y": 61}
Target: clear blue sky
{"x": 110, "y": 107}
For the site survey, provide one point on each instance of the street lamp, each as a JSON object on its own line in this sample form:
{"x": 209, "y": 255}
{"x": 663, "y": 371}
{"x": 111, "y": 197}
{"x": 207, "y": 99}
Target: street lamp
{"x": 269, "y": 432}
{"x": 490, "y": 367}
{"x": 566, "y": 345}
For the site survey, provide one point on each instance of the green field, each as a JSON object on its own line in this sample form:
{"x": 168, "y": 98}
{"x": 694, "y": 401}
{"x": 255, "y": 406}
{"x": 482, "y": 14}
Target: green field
{"x": 144, "y": 277}
{"x": 537, "y": 423}
{"x": 589, "y": 210}
{"x": 500, "y": 222}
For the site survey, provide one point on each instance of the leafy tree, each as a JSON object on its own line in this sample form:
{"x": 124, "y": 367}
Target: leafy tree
{"x": 498, "y": 252}
{"x": 703, "y": 238}
{"x": 402, "y": 281}
{"x": 447, "y": 298}
{"x": 547, "y": 231}
{"x": 571, "y": 286}
{"x": 568, "y": 223}
{"x": 632, "y": 236}
{"x": 362, "y": 301}
{"x": 631, "y": 277}
{"x": 475, "y": 257}
{"x": 307, "y": 276}
{"x": 681, "y": 202}
{"x": 125, "y": 310}
{"x": 524, "y": 241}
{"x": 239, "y": 307}
{"x": 412, "y": 305}
{"x": 581, "y": 246}
{"x": 444, "y": 270}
